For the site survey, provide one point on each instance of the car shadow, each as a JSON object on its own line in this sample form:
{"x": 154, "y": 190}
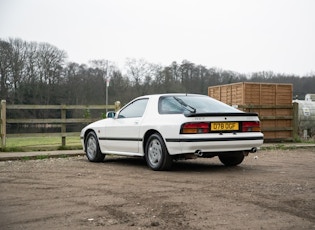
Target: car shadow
{"x": 126, "y": 161}
{"x": 194, "y": 166}
{"x": 200, "y": 165}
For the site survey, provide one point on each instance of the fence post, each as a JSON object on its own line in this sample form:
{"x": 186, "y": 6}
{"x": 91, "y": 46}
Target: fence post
{"x": 63, "y": 125}
{"x": 3, "y": 131}
{"x": 295, "y": 131}
{"x": 117, "y": 106}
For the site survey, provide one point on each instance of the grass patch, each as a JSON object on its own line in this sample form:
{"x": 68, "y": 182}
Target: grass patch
{"x": 22, "y": 144}
{"x": 280, "y": 147}
{"x": 26, "y": 158}
{"x": 289, "y": 146}
{"x": 41, "y": 157}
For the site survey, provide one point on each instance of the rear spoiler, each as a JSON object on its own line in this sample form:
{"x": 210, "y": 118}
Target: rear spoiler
{"x": 241, "y": 114}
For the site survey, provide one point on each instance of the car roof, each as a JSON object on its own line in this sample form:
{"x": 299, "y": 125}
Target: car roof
{"x": 170, "y": 94}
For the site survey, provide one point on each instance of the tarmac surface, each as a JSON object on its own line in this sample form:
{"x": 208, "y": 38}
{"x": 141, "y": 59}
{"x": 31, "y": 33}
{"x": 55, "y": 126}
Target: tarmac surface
{"x": 10, "y": 156}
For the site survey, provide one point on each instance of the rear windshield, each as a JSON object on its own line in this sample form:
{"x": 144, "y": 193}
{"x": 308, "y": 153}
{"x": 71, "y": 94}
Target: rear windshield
{"x": 177, "y": 104}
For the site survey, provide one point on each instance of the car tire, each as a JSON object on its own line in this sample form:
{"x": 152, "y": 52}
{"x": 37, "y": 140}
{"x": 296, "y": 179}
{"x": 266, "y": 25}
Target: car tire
{"x": 232, "y": 159}
{"x": 92, "y": 148}
{"x": 156, "y": 154}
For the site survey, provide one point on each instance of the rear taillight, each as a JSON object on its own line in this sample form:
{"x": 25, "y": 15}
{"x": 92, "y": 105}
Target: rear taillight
{"x": 194, "y": 128}
{"x": 220, "y": 127}
{"x": 251, "y": 126}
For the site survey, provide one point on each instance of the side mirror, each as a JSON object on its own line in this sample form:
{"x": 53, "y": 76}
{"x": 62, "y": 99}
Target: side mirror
{"x": 110, "y": 114}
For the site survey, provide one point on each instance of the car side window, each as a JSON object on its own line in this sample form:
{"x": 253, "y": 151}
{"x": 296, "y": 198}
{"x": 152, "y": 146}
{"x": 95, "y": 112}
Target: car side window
{"x": 135, "y": 109}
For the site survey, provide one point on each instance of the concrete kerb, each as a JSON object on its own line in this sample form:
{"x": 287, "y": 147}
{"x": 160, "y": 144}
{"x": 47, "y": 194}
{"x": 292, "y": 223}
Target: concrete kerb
{"x": 11, "y": 156}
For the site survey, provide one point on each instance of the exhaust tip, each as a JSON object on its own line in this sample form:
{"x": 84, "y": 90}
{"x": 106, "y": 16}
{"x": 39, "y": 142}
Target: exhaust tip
{"x": 253, "y": 150}
{"x": 198, "y": 153}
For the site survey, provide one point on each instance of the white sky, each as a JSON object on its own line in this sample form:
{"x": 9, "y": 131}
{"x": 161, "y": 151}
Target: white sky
{"x": 239, "y": 35}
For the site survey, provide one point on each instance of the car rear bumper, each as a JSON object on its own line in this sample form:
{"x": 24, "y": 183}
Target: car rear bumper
{"x": 214, "y": 143}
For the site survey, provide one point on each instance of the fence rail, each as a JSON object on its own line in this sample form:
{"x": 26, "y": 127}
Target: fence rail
{"x": 62, "y": 121}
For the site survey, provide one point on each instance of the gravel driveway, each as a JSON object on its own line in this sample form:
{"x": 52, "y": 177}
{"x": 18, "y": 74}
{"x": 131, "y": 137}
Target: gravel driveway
{"x": 272, "y": 189}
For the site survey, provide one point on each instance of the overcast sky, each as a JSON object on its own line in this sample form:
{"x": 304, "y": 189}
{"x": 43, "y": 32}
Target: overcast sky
{"x": 239, "y": 35}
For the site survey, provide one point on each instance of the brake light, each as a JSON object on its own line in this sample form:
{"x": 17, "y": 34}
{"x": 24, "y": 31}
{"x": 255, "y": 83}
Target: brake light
{"x": 251, "y": 126}
{"x": 194, "y": 128}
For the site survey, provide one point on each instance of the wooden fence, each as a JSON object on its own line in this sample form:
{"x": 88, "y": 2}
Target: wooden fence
{"x": 278, "y": 122}
{"x": 272, "y": 102}
{"x": 62, "y": 121}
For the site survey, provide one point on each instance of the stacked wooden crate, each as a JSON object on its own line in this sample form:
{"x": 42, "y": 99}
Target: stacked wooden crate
{"x": 272, "y": 102}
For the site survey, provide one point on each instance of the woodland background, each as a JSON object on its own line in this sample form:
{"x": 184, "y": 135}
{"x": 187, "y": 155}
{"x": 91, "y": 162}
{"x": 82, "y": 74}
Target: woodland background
{"x": 39, "y": 73}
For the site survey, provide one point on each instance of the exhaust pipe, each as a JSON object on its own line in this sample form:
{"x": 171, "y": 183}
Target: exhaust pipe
{"x": 253, "y": 150}
{"x": 198, "y": 153}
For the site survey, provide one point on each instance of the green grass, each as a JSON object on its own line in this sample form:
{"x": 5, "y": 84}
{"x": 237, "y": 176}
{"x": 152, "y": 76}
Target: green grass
{"x": 21, "y": 144}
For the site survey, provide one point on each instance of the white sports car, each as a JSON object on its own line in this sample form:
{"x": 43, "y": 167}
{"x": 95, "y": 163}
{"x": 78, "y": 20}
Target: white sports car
{"x": 167, "y": 127}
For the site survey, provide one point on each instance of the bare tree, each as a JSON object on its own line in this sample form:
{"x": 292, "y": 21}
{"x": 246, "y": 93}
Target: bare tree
{"x": 140, "y": 71}
{"x": 5, "y": 68}
{"x": 50, "y": 64}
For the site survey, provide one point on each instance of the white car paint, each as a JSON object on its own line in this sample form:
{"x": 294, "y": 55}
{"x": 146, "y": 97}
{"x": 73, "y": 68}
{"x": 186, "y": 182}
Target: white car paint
{"x": 126, "y": 136}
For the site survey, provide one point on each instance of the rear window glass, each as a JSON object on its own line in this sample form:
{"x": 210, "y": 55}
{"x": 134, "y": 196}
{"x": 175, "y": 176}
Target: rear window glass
{"x": 199, "y": 104}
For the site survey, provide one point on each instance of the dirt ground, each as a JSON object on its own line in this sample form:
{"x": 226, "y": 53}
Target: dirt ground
{"x": 272, "y": 189}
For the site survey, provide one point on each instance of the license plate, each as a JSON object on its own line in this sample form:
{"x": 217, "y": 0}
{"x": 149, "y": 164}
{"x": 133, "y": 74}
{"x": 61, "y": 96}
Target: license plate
{"x": 224, "y": 126}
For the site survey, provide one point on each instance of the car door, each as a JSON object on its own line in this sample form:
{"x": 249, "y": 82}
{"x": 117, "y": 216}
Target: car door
{"x": 122, "y": 137}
